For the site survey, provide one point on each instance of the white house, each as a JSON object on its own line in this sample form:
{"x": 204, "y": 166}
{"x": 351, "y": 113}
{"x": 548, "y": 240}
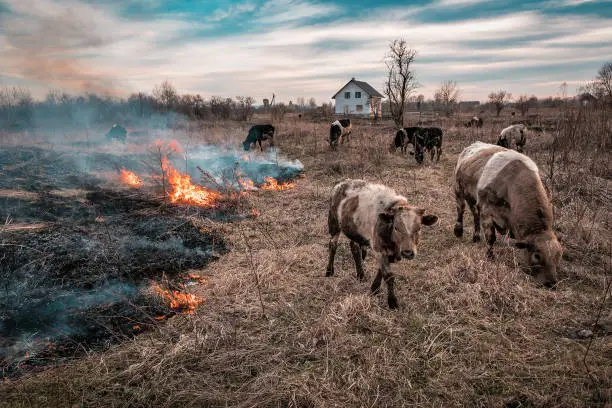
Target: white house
{"x": 358, "y": 98}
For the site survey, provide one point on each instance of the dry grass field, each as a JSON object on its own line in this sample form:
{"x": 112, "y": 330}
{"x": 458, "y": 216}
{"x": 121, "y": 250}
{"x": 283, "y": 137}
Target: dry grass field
{"x": 273, "y": 331}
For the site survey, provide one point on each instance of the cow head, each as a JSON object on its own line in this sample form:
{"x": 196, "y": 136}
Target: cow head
{"x": 398, "y": 230}
{"x": 543, "y": 255}
{"x": 247, "y": 146}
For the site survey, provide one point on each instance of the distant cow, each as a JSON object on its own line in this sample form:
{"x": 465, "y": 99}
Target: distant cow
{"x": 505, "y": 194}
{"x": 474, "y": 122}
{"x": 403, "y": 138}
{"x": 339, "y": 129}
{"x": 373, "y": 215}
{"x": 117, "y": 132}
{"x": 427, "y": 139}
{"x": 513, "y": 137}
{"x": 257, "y": 134}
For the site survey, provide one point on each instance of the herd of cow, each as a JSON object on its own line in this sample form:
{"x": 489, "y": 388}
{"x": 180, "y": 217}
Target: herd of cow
{"x": 500, "y": 185}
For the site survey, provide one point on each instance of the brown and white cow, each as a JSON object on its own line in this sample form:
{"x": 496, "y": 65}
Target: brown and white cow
{"x": 375, "y": 216}
{"x": 513, "y": 137}
{"x": 504, "y": 192}
{"x": 339, "y": 130}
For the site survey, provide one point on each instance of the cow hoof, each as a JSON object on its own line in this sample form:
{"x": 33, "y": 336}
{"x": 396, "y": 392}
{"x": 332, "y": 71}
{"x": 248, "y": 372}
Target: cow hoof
{"x": 490, "y": 254}
{"x": 476, "y": 238}
{"x": 361, "y": 277}
{"x": 458, "y": 231}
{"x": 392, "y": 301}
{"x": 330, "y": 272}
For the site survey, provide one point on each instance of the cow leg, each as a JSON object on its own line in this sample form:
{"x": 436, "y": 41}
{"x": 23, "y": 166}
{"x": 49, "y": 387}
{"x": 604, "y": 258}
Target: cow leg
{"x": 476, "y": 214}
{"x": 390, "y": 280}
{"x": 439, "y": 153}
{"x": 333, "y": 246}
{"x": 364, "y": 252}
{"x": 489, "y": 229}
{"x": 433, "y": 154}
{"x": 260, "y": 146}
{"x": 375, "y": 288}
{"x": 334, "y": 230}
{"x": 356, "y": 251}
{"x": 460, "y": 209}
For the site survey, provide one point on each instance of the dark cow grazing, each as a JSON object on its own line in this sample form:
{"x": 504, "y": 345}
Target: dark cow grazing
{"x": 375, "y": 216}
{"x": 474, "y": 122}
{"x": 339, "y": 129}
{"x": 117, "y": 132}
{"x": 403, "y": 138}
{"x": 513, "y": 137}
{"x": 427, "y": 139}
{"x": 257, "y": 134}
{"x": 505, "y": 194}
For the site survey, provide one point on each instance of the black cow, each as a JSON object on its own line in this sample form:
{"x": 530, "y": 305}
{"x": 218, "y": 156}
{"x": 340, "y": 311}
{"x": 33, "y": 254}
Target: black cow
{"x": 340, "y": 129}
{"x": 474, "y": 122}
{"x": 428, "y": 138}
{"x": 257, "y": 134}
{"x": 403, "y": 138}
{"x": 117, "y": 132}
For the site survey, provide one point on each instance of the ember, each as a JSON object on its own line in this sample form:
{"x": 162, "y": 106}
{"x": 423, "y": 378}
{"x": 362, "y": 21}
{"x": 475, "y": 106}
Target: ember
{"x": 130, "y": 178}
{"x": 177, "y": 301}
{"x": 270, "y": 183}
{"x": 255, "y": 212}
{"x": 245, "y": 183}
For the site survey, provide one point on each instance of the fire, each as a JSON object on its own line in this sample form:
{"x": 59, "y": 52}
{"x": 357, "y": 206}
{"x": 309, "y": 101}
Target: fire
{"x": 270, "y": 183}
{"x": 255, "y": 212}
{"x": 179, "y": 301}
{"x": 184, "y": 191}
{"x": 174, "y": 146}
{"x": 245, "y": 157}
{"x": 130, "y": 178}
{"x": 245, "y": 183}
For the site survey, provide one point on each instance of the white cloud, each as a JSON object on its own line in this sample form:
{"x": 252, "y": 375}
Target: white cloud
{"x": 126, "y": 55}
{"x": 285, "y": 11}
{"x": 232, "y": 11}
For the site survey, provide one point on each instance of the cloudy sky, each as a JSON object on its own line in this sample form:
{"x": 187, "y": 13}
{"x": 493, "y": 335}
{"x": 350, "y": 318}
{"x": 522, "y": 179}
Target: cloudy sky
{"x": 300, "y": 47}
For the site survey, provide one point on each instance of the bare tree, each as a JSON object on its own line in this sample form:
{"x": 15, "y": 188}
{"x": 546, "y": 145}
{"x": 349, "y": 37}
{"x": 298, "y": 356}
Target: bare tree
{"x": 166, "y": 95}
{"x": 604, "y": 79}
{"x": 499, "y": 100}
{"x": 244, "y": 108}
{"x": 524, "y": 103}
{"x": 301, "y": 103}
{"x": 447, "y": 97}
{"x": 401, "y": 81}
{"x": 312, "y": 102}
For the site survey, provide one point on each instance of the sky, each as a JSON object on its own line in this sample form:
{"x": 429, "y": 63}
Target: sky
{"x": 300, "y": 48}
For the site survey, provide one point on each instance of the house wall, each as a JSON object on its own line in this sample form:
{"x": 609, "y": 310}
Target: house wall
{"x": 352, "y": 102}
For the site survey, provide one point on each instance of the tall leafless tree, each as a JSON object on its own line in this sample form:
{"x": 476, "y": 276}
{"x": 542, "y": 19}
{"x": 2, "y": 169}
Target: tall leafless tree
{"x": 499, "y": 100}
{"x": 604, "y": 78}
{"x": 447, "y": 97}
{"x": 524, "y": 103}
{"x": 165, "y": 94}
{"x": 401, "y": 81}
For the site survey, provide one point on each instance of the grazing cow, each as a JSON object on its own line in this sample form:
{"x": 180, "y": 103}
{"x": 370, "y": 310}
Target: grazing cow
{"x": 374, "y": 215}
{"x": 116, "y": 132}
{"x": 339, "y": 129}
{"x": 505, "y": 194}
{"x": 403, "y": 138}
{"x": 428, "y": 138}
{"x": 257, "y": 134}
{"x": 513, "y": 137}
{"x": 474, "y": 122}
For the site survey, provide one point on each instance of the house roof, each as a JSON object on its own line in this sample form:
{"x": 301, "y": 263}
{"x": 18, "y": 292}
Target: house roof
{"x": 367, "y": 88}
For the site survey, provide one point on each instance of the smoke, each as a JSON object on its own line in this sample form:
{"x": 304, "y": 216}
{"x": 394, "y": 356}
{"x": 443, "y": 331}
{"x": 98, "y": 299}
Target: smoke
{"x": 49, "y": 43}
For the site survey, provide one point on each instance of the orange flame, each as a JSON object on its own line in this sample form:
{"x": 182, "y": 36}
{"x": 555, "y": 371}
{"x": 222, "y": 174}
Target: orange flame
{"x": 255, "y": 212}
{"x": 130, "y": 178}
{"x": 245, "y": 182}
{"x": 174, "y": 146}
{"x": 245, "y": 157}
{"x": 178, "y": 301}
{"x": 270, "y": 183}
{"x": 184, "y": 191}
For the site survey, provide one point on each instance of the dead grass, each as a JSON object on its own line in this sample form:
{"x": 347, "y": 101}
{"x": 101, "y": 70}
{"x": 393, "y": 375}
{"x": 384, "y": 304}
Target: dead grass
{"x": 470, "y": 332}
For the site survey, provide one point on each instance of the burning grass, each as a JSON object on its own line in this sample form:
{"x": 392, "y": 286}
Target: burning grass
{"x": 275, "y": 332}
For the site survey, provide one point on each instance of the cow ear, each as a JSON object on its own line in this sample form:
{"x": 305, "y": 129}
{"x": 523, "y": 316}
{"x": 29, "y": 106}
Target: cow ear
{"x": 429, "y": 219}
{"x": 523, "y": 245}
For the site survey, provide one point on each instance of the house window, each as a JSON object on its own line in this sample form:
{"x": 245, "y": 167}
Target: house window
{"x": 347, "y": 95}
{"x": 359, "y": 108}
{"x": 357, "y": 95}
